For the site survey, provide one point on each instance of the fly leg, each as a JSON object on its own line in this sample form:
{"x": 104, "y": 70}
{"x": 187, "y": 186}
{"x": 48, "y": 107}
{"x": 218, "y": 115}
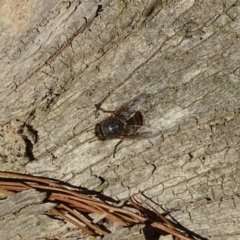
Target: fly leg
{"x": 98, "y": 106}
{"x": 115, "y": 148}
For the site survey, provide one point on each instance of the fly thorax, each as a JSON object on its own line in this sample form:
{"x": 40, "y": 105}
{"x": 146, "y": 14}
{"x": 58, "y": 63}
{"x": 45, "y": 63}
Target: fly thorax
{"x": 111, "y": 128}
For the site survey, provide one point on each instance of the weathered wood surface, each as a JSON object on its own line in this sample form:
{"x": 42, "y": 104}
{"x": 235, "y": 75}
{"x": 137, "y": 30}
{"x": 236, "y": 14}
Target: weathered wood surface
{"x": 22, "y": 214}
{"x": 60, "y": 58}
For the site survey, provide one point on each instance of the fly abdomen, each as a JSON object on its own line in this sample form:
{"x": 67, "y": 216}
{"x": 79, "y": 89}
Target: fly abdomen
{"x": 136, "y": 119}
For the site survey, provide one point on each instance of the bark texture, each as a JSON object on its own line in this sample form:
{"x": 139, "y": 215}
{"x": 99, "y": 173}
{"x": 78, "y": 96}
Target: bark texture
{"x": 60, "y": 58}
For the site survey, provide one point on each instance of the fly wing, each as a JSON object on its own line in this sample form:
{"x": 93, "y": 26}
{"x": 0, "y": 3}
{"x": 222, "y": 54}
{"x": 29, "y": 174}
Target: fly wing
{"x": 140, "y": 131}
{"x": 127, "y": 110}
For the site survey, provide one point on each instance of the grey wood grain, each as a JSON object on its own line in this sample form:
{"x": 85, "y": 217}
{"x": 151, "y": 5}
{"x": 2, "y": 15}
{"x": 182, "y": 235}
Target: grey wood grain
{"x": 59, "y": 59}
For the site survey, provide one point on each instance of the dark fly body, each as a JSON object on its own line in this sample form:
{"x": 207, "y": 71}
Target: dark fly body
{"x": 126, "y": 122}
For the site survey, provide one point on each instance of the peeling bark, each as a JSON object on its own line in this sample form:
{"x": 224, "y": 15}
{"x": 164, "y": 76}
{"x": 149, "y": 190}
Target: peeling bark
{"x": 59, "y": 59}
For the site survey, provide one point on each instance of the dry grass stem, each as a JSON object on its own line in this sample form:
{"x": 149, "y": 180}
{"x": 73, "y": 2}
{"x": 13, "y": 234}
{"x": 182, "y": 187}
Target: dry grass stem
{"x": 76, "y": 207}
